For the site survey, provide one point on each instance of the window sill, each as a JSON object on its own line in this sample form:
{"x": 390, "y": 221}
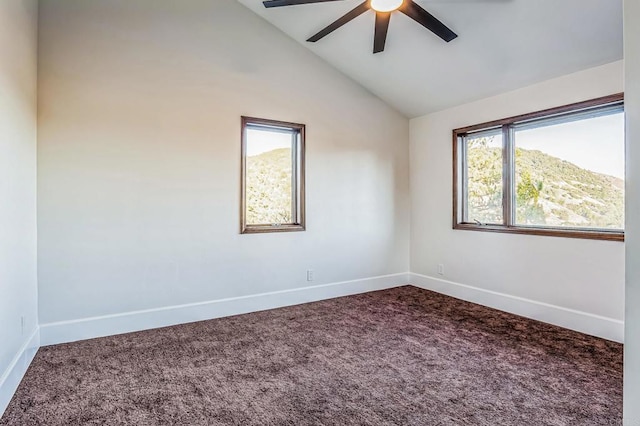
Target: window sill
{"x": 612, "y": 235}
{"x": 265, "y": 229}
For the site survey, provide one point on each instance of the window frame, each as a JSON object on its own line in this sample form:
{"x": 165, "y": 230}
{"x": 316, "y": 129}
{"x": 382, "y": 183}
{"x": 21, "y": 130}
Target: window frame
{"x": 297, "y": 186}
{"x": 507, "y": 127}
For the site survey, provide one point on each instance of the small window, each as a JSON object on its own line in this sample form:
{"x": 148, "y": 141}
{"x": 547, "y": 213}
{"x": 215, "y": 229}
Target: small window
{"x": 558, "y": 172}
{"x": 272, "y": 176}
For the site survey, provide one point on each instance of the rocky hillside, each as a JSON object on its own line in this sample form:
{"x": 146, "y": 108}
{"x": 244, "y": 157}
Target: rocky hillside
{"x": 550, "y": 191}
{"x": 570, "y": 195}
{"x": 269, "y": 187}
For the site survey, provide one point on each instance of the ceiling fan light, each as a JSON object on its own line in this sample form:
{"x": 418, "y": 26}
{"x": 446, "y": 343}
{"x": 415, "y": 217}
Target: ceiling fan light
{"x": 386, "y": 5}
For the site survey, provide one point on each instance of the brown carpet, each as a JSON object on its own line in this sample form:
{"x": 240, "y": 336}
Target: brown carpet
{"x": 397, "y": 357}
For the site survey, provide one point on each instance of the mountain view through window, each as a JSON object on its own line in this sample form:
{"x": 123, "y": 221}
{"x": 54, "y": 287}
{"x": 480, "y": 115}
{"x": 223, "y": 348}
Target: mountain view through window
{"x": 567, "y": 174}
{"x": 269, "y": 177}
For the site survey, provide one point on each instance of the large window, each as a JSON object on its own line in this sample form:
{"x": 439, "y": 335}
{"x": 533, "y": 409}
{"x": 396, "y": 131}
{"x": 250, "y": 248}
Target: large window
{"x": 272, "y": 176}
{"x": 558, "y": 172}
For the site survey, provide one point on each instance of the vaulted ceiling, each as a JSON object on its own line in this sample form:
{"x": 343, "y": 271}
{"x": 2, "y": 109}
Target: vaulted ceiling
{"x": 502, "y": 45}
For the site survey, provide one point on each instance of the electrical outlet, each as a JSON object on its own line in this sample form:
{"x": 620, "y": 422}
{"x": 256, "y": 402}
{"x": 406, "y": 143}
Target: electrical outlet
{"x": 22, "y": 325}
{"x": 310, "y": 275}
{"x": 440, "y": 269}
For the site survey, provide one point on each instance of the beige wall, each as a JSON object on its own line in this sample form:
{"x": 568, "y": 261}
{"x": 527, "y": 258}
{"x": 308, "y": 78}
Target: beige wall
{"x": 632, "y": 314}
{"x": 573, "y": 275}
{"x": 18, "y": 286}
{"x": 139, "y": 159}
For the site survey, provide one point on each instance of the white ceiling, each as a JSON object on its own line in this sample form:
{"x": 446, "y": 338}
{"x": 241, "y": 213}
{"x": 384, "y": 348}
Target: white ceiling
{"x": 502, "y": 45}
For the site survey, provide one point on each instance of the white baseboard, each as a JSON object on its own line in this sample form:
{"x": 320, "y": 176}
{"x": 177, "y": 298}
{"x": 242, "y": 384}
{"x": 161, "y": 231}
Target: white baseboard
{"x": 13, "y": 375}
{"x": 88, "y": 328}
{"x": 595, "y": 325}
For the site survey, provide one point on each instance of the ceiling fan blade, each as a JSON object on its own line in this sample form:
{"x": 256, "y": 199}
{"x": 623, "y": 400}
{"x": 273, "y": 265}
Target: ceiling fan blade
{"x": 382, "y": 26}
{"x": 280, "y": 3}
{"x": 354, "y": 13}
{"x": 427, "y": 20}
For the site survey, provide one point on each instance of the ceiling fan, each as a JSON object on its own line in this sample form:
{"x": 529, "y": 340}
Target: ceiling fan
{"x": 383, "y": 10}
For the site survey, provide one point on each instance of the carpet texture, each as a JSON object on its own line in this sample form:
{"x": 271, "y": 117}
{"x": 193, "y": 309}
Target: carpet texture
{"x": 396, "y": 357}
